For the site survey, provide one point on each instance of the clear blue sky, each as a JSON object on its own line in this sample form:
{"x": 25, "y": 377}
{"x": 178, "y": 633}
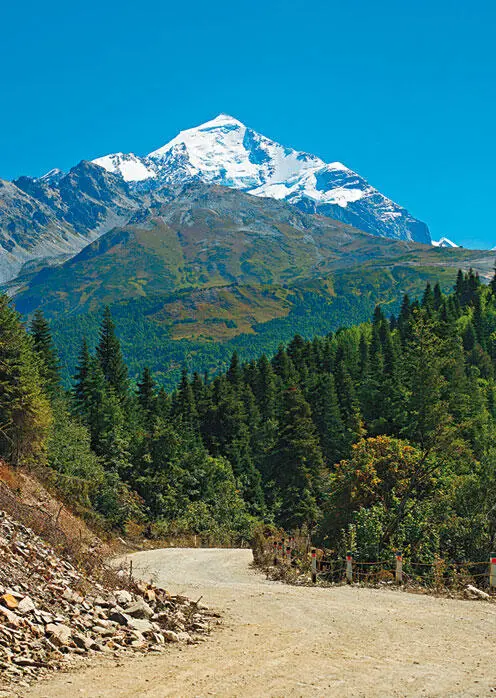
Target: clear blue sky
{"x": 402, "y": 92}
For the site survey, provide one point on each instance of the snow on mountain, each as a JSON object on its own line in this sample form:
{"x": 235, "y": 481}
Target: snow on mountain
{"x": 52, "y": 177}
{"x": 444, "y": 242}
{"x": 129, "y": 166}
{"x": 224, "y": 151}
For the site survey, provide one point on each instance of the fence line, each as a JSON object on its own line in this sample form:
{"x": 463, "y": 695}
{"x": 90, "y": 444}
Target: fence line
{"x": 399, "y": 570}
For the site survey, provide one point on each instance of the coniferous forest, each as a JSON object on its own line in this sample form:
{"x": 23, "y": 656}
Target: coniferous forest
{"x": 377, "y": 437}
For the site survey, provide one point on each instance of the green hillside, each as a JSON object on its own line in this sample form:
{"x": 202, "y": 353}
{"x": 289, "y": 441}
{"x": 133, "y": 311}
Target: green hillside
{"x": 217, "y": 269}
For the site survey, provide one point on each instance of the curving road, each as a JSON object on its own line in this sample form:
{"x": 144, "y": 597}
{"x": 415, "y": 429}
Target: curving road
{"x": 282, "y": 641}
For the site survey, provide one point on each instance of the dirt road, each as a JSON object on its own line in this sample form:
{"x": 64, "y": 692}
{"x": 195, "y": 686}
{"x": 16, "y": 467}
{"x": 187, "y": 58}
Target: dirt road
{"x": 283, "y": 641}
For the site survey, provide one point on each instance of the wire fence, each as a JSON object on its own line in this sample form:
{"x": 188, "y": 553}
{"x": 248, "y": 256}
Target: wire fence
{"x": 329, "y": 567}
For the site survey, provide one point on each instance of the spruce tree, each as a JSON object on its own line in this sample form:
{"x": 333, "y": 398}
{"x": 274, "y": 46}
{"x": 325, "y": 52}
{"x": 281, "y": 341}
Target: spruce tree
{"x": 265, "y": 388}
{"x": 184, "y": 404}
{"x": 327, "y": 418}
{"x": 297, "y": 463}
{"x": 25, "y": 414}
{"x": 146, "y": 393}
{"x": 438, "y": 296}
{"x": 428, "y": 299}
{"x": 492, "y": 283}
{"x": 45, "y": 349}
{"x": 234, "y": 373}
{"x": 109, "y": 355}
{"x": 80, "y": 391}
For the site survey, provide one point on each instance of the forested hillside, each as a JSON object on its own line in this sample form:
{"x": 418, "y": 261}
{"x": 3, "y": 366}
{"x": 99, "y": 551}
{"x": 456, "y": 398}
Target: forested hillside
{"x": 377, "y": 437}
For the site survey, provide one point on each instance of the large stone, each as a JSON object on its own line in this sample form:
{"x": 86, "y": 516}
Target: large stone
{"x": 59, "y": 634}
{"x": 474, "y": 593}
{"x": 119, "y": 617}
{"x": 9, "y": 616}
{"x": 123, "y": 597}
{"x": 139, "y": 609}
{"x": 26, "y": 605}
{"x": 170, "y": 636}
{"x": 85, "y": 643}
{"x": 141, "y": 625}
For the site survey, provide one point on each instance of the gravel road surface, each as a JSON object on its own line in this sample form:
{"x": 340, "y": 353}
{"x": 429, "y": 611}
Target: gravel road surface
{"x": 283, "y": 641}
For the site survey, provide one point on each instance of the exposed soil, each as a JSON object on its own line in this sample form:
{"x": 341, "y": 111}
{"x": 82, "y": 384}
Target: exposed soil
{"x": 281, "y": 641}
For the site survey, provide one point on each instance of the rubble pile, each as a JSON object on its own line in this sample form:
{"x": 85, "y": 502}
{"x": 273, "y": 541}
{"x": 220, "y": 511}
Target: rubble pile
{"x": 50, "y": 613}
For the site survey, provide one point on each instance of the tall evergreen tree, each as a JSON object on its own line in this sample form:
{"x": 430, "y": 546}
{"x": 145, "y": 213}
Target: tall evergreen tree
{"x": 44, "y": 347}
{"x": 184, "y": 405}
{"x": 109, "y": 355}
{"x": 146, "y": 393}
{"x": 80, "y": 391}
{"x": 297, "y": 462}
{"x": 25, "y": 414}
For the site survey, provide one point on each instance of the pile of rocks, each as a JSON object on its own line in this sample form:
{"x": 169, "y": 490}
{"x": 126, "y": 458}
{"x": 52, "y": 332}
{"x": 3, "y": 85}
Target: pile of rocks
{"x": 50, "y": 612}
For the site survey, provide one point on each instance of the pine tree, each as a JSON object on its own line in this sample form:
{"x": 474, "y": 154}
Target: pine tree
{"x": 348, "y": 402}
{"x": 479, "y": 321}
{"x": 234, "y": 373}
{"x": 109, "y": 355}
{"x": 460, "y": 286}
{"x": 43, "y": 345}
{"x": 162, "y": 404}
{"x": 492, "y": 283}
{"x": 297, "y": 462}
{"x": 184, "y": 405}
{"x": 80, "y": 391}
{"x": 428, "y": 300}
{"x": 265, "y": 388}
{"x": 25, "y": 414}
{"x": 284, "y": 367}
{"x": 404, "y": 318}
{"x": 146, "y": 393}
{"x": 426, "y": 415}
{"x": 327, "y": 418}
{"x": 469, "y": 337}
{"x": 438, "y": 296}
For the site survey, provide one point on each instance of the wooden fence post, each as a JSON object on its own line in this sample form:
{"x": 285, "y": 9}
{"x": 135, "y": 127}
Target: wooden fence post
{"x": 399, "y": 568}
{"x": 349, "y": 567}
{"x": 492, "y": 571}
{"x": 314, "y": 566}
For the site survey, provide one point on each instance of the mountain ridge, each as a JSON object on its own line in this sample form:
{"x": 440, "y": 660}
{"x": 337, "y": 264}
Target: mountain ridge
{"x": 224, "y": 151}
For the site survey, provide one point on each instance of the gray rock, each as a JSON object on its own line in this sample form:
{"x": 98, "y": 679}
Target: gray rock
{"x": 26, "y": 605}
{"x": 123, "y": 597}
{"x": 139, "y": 609}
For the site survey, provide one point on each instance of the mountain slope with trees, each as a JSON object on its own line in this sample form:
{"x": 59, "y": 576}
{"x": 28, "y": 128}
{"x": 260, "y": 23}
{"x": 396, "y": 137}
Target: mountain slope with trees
{"x": 374, "y": 438}
{"x": 216, "y": 270}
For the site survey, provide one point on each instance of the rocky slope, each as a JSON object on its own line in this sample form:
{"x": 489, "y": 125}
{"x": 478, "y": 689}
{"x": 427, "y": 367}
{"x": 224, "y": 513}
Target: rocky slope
{"x": 212, "y": 236}
{"x": 53, "y": 612}
{"x": 49, "y": 220}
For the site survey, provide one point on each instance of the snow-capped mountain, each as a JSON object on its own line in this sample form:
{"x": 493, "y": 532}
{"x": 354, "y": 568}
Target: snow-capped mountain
{"x": 444, "y": 242}
{"x": 224, "y": 151}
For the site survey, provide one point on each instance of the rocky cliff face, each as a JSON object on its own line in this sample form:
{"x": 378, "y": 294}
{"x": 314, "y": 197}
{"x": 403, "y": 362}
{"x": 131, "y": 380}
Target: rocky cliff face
{"x": 46, "y": 221}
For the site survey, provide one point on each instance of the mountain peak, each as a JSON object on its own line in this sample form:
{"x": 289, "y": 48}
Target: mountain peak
{"x": 224, "y": 151}
{"x": 221, "y": 119}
